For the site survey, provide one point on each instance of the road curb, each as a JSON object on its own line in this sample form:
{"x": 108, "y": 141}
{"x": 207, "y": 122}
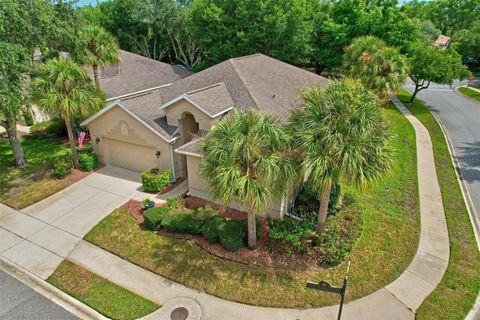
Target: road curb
{"x": 50, "y": 292}
{"x": 458, "y": 92}
{"x": 472, "y": 212}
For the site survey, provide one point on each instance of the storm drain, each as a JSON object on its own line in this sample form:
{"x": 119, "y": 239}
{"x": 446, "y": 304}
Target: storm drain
{"x": 179, "y": 314}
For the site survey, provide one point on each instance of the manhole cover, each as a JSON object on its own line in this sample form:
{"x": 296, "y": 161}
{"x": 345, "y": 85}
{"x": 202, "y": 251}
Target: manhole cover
{"x": 179, "y": 314}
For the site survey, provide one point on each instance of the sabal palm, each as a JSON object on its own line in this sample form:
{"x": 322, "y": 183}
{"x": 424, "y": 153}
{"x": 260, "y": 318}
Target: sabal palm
{"x": 97, "y": 49}
{"x": 378, "y": 66}
{"x": 61, "y": 87}
{"x": 342, "y": 138}
{"x": 245, "y": 161}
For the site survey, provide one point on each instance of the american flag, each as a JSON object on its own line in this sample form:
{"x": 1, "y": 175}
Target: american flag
{"x": 81, "y": 137}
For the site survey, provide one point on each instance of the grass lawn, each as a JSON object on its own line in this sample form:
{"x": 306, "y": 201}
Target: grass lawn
{"x": 388, "y": 242}
{"x": 21, "y": 188}
{"x": 470, "y": 93}
{"x": 457, "y": 291}
{"x": 102, "y": 295}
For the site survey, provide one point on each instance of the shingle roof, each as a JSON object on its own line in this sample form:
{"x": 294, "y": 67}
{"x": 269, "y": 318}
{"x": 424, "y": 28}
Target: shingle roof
{"x": 136, "y": 73}
{"x": 255, "y": 81}
{"x": 145, "y": 106}
{"x": 191, "y": 148}
{"x": 214, "y": 99}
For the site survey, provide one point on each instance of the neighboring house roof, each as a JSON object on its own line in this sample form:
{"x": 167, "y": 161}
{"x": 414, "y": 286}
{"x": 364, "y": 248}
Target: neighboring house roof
{"x": 442, "y": 41}
{"x": 136, "y": 73}
{"x": 254, "y": 81}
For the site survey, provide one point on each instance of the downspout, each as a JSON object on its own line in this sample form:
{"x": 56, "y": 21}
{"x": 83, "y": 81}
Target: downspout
{"x": 170, "y": 147}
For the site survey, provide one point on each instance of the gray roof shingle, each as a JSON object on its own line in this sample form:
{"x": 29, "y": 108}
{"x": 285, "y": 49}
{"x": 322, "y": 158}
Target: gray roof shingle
{"x": 136, "y": 73}
{"x": 255, "y": 81}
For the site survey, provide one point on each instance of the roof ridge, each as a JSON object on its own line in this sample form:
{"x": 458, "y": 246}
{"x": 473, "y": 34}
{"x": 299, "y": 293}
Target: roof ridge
{"x": 247, "y": 56}
{"x": 205, "y": 88}
{"x": 237, "y": 72}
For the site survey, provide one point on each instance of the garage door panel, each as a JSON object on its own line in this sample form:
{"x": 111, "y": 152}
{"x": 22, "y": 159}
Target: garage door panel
{"x": 129, "y": 155}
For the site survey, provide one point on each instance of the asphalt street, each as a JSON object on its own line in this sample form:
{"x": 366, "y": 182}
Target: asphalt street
{"x": 18, "y": 301}
{"x": 460, "y": 117}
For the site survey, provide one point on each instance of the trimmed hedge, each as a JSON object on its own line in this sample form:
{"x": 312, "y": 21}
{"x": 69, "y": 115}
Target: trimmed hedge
{"x": 153, "y": 217}
{"x": 87, "y": 161}
{"x": 155, "y": 180}
{"x": 183, "y": 223}
{"x": 211, "y": 229}
{"x": 233, "y": 235}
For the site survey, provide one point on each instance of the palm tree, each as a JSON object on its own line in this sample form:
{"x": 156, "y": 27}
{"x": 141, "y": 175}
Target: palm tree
{"x": 61, "y": 87}
{"x": 342, "y": 138}
{"x": 380, "y": 68}
{"x": 245, "y": 161}
{"x": 97, "y": 49}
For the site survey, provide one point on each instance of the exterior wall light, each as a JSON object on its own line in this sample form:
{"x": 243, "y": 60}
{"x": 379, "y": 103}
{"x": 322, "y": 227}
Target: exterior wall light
{"x": 157, "y": 154}
{"x": 97, "y": 140}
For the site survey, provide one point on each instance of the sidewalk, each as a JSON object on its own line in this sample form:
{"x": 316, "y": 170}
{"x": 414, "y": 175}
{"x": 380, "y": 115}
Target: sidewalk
{"x": 398, "y": 300}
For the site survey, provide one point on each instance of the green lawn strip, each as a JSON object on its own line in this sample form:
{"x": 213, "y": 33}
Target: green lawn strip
{"x": 36, "y": 183}
{"x": 457, "y": 291}
{"x": 102, "y": 295}
{"x": 386, "y": 246}
{"x": 470, "y": 93}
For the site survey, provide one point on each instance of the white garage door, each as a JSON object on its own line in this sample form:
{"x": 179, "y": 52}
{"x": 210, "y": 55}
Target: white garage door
{"x": 131, "y": 156}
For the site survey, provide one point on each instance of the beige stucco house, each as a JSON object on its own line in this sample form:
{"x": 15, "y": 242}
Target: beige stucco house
{"x": 163, "y": 127}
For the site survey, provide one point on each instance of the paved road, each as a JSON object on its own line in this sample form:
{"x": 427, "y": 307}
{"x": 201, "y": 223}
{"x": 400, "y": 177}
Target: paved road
{"x": 460, "y": 117}
{"x": 18, "y": 301}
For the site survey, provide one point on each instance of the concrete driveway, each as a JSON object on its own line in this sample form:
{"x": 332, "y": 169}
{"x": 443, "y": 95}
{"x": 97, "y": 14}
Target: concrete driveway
{"x": 39, "y": 237}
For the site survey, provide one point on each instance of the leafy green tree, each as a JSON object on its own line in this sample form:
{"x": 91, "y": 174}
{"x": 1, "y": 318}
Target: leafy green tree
{"x": 379, "y": 67}
{"x": 429, "y": 32}
{"x": 342, "y": 136}
{"x": 244, "y": 161}
{"x": 97, "y": 49}
{"x": 432, "y": 64}
{"x": 226, "y": 29}
{"x": 63, "y": 88}
{"x": 467, "y": 43}
{"x": 14, "y": 63}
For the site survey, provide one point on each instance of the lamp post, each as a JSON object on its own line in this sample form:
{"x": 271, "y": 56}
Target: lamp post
{"x": 327, "y": 287}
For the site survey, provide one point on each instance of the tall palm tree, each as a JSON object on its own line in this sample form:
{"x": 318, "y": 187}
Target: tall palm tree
{"x": 97, "y": 49}
{"x": 342, "y": 137}
{"x": 379, "y": 67}
{"x": 61, "y": 87}
{"x": 245, "y": 161}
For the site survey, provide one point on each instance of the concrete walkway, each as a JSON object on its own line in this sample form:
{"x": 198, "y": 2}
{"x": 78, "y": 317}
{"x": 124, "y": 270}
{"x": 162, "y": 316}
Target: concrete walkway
{"x": 398, "y": 300}
{"x": 39, "y": 237}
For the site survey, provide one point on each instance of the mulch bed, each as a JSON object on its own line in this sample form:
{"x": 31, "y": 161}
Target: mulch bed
{"x": 267, "y": 254}
{"x": 172, "y": 186}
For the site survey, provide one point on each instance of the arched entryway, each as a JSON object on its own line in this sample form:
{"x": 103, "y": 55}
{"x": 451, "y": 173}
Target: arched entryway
{"x": 189, "y": 127}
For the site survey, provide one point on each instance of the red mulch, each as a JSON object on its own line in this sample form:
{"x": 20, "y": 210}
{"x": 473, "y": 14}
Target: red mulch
{"x": 74, "y": 176}
{"x": 173, "y": 185}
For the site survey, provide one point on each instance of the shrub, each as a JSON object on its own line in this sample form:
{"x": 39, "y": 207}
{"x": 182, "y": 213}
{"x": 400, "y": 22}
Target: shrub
{"x": 292, "y": 233}
{"x": 55, "y": 127}
{"x": 211, "y": 229}
{"x": 233, "y": 234}
{"x": 342, "y": 231}
{"x": 307, "y": 202}
{"x": 205, "y": 213}
{"x": 62, "y": 166}
{"x": 183, "y": 222}
{"x": 155, "y": 180}
{"x": 147, "y": 203}
{"x": 87, "y": 148}
{"x": 88, "y": 161}
{"x": 153, "y": 217}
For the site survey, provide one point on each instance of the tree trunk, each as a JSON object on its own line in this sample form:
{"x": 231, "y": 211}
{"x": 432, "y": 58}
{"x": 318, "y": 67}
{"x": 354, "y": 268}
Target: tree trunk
{"x": 18, "y": 155}
{"x": 252, "y": 232}
{"x": 71, "y": 139}
{"x": 414, "y": 94}
{"x": 95, "y": 76}
{"x": 323, "y": 210}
